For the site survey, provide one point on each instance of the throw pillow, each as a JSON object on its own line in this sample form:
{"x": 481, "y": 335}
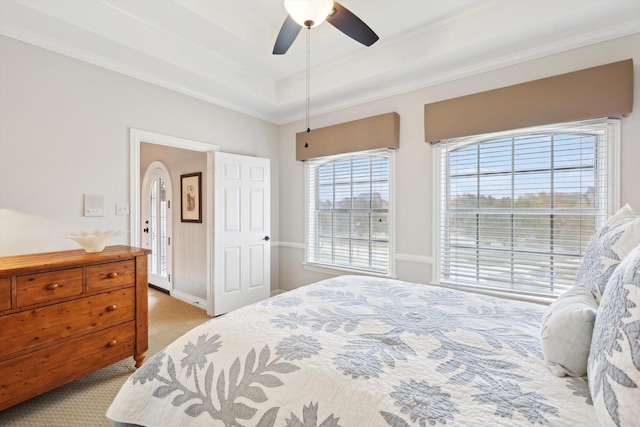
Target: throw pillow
{"x": 608, "y": 246}
{"x": 614, "y": 359}
{"x": 566, "y": 331}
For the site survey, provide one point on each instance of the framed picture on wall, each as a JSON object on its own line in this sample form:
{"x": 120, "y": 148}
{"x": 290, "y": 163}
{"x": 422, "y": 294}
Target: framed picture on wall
{"x": 191, "y": 197}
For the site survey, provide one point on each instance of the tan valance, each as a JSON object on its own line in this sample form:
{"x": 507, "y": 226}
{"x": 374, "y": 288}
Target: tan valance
{"x": 602, "y": 91}
{"x": 381, "y": 131}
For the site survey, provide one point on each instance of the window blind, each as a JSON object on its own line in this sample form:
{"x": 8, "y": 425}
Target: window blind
{"x": 518, "y": 208}
{"x": 348, "y": 211}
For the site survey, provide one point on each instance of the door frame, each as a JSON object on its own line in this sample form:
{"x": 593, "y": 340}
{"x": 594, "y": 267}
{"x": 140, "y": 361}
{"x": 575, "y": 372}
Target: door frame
{"x": 138, "y": 136}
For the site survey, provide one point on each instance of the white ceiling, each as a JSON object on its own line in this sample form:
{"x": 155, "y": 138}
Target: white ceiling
{"x": 220, "y": 50}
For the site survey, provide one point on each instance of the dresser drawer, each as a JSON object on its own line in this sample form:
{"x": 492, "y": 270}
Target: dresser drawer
{"x": 50, "y": 286}
{"x": 33, "y": 373}
{"x": 5, "y": 293}
{"x": 32, "y": 328}
{"x": 111, "y": 275}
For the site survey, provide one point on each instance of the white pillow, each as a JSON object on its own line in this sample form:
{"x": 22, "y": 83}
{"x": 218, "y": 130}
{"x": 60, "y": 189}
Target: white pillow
{"x": 566, "y": 332}
{"x": 608, "y": 246}
{"x": 614, "y": 359}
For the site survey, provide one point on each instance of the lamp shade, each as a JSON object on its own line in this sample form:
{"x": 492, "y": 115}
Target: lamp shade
{"x": 308, "y": 13}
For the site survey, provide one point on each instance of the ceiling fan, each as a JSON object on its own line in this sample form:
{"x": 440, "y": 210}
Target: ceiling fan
{"x": 310, "y": 13}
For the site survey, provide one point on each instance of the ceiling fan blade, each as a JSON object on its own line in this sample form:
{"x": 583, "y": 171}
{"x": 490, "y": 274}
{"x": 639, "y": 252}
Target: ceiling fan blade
{"x": 351, "y": 25}
{"x": 286, "y": 36}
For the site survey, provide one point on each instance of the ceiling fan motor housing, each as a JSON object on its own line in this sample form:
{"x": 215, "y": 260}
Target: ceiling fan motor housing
{"x": 311, "y": 13}
{"x": 308, "y": 13}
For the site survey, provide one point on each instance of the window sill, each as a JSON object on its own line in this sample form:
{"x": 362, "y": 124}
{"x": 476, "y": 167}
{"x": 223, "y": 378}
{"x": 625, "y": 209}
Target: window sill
{"x": 338, "y": 271}
{"x": 537, "y": 299}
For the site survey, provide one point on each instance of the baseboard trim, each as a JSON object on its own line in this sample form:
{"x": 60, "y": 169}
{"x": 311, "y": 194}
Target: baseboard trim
{"x": 190, "y": 299}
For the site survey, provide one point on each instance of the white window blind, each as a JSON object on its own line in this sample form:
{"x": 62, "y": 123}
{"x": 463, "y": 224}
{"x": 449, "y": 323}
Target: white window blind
{"x": 518, "y": 208}
{"x": 348, "y": 211}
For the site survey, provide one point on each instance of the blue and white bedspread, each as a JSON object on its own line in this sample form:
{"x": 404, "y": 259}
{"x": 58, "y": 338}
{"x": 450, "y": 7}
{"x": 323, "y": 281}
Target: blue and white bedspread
{"x": 355, "y": 351}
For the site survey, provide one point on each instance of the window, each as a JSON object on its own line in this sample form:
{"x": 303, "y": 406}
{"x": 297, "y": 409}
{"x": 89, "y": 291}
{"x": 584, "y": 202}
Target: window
{"x": 517, "y": 209}
{"x": 348, "y": 215}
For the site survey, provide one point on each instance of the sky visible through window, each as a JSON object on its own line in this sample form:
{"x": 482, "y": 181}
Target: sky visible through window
{"x": 513, "y": 167}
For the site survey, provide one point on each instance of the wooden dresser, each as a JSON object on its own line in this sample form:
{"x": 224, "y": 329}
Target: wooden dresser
{"x": 66, "y": 314}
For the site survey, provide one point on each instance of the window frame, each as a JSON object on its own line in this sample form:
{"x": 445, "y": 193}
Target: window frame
{"x": 314, "y": 265}
{"x": 612, "y": 177}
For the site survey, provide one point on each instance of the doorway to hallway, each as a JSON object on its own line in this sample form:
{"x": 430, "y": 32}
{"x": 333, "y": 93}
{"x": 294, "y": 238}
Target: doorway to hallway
{"x": 156, "y": 224}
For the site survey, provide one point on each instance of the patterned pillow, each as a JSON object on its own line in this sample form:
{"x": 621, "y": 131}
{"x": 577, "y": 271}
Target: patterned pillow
{"x": 566, "y": 331}
{"x": 608, "y": 246}
{"x": 614, "y": 358}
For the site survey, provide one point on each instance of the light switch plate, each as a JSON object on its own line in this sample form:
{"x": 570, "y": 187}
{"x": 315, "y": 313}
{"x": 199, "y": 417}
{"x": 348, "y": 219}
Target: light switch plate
{"x": 93, "y": 205}
{"x": 122, "y": 209}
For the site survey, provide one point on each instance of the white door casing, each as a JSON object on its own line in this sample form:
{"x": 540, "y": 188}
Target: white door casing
{"x": 242, "y": 257}
{"x": 156, "y": 224}
{"x": 137, "y": 137}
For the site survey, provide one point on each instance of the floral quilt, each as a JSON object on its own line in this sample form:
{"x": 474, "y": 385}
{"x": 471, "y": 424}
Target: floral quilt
{"x": 356, "y": 351}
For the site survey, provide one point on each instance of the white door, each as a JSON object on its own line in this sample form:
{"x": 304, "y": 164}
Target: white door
{"x": 242, "y": 255}
{"x": 156, "y": 224}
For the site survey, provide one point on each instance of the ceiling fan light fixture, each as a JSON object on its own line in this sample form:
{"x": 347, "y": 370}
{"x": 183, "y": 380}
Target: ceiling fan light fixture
{"x": 308, "y": 13}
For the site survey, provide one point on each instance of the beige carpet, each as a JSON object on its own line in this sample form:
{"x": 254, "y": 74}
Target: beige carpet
{"x": 84, "y": 402}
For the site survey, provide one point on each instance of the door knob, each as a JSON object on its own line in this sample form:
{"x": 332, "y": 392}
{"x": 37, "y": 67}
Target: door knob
{"x": 266, "y": 238}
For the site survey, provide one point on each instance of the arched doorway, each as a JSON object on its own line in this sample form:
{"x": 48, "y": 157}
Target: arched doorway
{"x": 156, "y": 223}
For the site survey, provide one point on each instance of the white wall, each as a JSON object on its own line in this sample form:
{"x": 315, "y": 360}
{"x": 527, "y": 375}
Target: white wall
{"x": 414, "y": 174}
{"x": 65, "y": 132}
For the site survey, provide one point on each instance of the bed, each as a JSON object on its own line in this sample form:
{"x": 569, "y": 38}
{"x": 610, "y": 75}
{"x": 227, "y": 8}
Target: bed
{"x": 359, "y": 351}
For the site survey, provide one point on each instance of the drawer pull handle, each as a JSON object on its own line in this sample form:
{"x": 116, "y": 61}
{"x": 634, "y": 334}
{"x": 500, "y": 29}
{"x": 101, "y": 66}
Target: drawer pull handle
{"x": 53, "y": 286}
{"x": 112, "y": 343}
{"x": 113, "y": 275}
{"x": 112, "y": 307}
